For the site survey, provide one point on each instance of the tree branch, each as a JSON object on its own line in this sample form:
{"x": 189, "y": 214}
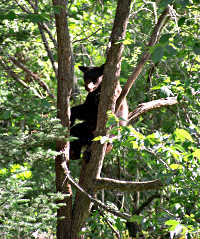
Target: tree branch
{"x": 86, "y": 38}
{"x": 116, "y": 232}
{"x": 95, "y": 201}
{"x": 48, "y": 50}
{"x": 144, "y": 107}
{"x": 42, "y": 26}
{"x": 45, "y": 27}
{"x": 153, "y": 40}
{"x": 35, "y": 77}
{"x": 126, "y": 186}
{"x": 15, "y": 77}
{"x": 145, "y": 204}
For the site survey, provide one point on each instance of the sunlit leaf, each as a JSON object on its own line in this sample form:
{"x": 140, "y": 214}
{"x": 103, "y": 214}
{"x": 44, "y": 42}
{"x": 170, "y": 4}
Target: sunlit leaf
{"x": 196, "y": 153}
{"x": 176, "y": 166}
{"x": 181, "y": 134}
{"x": 157, "y": 54}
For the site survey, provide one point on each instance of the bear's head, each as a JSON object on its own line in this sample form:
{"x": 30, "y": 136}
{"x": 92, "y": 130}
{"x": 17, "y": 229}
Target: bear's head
{"x": 92, "y": 77}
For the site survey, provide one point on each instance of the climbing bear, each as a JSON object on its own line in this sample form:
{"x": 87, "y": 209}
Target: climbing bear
{"x": 88, "y": 110}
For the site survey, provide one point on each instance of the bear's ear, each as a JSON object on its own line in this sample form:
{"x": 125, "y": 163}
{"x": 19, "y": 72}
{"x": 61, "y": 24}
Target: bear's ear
{"x": 83, "y": 68}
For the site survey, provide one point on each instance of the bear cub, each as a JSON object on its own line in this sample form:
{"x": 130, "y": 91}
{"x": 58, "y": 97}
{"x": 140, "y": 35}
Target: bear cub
{"x": 87, "y": 112}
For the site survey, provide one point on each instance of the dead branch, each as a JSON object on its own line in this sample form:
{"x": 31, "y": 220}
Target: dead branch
{"x": 153, "y": 40}
{"x": 126, "y": 186}
{"x": 155, "y": 104}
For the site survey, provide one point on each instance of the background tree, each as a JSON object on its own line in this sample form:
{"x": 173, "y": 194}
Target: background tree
{"x": 161, "y": 141}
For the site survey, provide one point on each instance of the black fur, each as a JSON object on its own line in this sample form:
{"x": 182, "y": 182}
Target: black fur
{"x": 86, "y": 111}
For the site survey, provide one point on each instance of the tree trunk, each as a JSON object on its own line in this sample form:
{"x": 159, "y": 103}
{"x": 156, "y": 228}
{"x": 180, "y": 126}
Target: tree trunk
{"x": 91, "y": 171}
{"x": 65, "y": 84}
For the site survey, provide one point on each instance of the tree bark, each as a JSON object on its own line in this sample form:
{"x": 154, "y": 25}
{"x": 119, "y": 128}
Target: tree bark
{"x": 145, "y": 57}
{"x": 91, "y": 170}
{"x": 65, "y": 83}
{"x": 147, "y": 106}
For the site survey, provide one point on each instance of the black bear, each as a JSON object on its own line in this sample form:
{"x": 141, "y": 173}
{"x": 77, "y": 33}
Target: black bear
{"x": 88, "y": 110}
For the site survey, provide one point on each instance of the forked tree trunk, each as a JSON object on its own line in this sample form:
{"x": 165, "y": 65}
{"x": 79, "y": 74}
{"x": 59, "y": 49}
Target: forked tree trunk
{"x": 91, "y": 171}
{"x": 74, "y": 219}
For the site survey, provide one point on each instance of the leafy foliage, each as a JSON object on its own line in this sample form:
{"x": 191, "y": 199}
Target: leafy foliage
{"x": 163, "y": 143}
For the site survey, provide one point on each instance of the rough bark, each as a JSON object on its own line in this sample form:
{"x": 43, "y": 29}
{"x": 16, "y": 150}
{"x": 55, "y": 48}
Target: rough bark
{"x": 92, "y": 170}
{"x": 65, "y": 81}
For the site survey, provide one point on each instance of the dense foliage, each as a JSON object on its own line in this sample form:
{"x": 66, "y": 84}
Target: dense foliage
{"x": 162, "y": 143}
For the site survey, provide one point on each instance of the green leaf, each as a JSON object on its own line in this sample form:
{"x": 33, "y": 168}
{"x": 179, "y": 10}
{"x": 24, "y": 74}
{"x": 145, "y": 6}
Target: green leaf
{"x": 136, "y": 218}
{"x": 196, "y": 153}
{"x": 181, "y": 134}
{"x": 181, "y": 21}
{"x": 98, "y": 138}
{"x": 170, "y": 50}
{"x": 165, "y": 39}
{"x": 172, "y": 223}
{"x": 176, "y": 166}
{"x": 5, "y": 115}
{"x": 157, "y": 87}
{"x": 157, "y": 54}
{"x": 9, "y": 16}
{"x": 164, "y": 3}
{"x": 196, "y": 48}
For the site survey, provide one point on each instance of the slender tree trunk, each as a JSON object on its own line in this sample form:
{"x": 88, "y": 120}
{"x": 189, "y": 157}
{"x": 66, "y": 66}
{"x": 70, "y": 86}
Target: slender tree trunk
{"x": 65, "y": 84}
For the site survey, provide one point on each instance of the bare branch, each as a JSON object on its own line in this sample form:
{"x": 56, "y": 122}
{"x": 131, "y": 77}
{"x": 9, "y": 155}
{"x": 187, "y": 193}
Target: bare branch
{"x": 24, "y": 8}
{"x": 96, "y": 201}
{"x": 144, "y": 107}
{"x": 48, "y": 50}
{"x": 45, "y": 27}
{"x": 153, "y": 40}
{"x": 126, "y": 186}
{"x": 15, "y": 77}
{"x": 86, "y": 38}
{"x": 146, "y": 203}
{"x": 42, "y": 27}
{"x": 35, "y": 77}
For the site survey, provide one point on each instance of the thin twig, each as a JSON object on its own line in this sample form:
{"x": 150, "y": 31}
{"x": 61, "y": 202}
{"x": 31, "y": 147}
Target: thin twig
{"x": 48, "y": 50}
{"x": 86, "y": 38}
{"x": 110, "y": 225}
